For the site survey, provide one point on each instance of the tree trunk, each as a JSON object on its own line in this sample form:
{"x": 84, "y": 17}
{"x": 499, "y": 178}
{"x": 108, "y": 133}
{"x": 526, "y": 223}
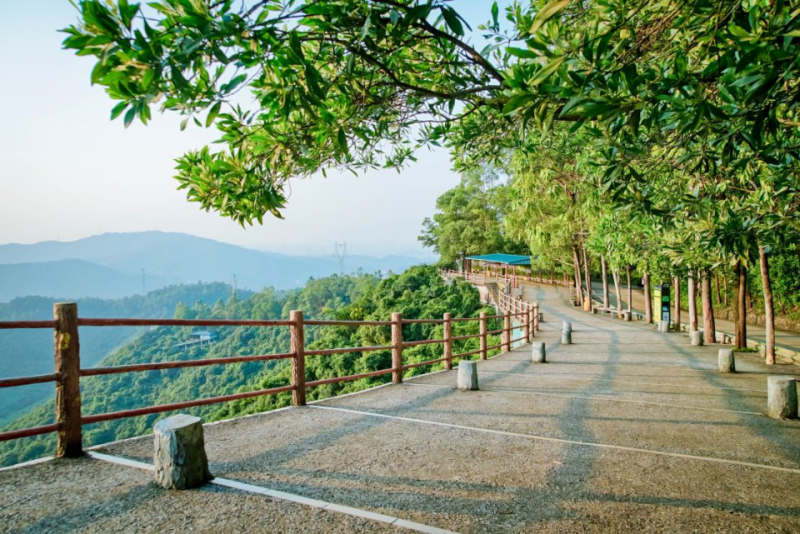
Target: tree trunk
{"x": 578, "y": 281}
{"x": 552, "y": 276}
{"x": 618, "y": 294}
{"x": 716, "y": 284}
{"x": 648, "y": 299}
{"x": 605, "y": 281}
{"x": 588, "y": 276}
{"x": 692, "y": 303}
{"x": 676, "y": 283}
{"x": 769, "y": 306}
{"x": 630, "y": 291}
{"x": 709, "y": 328}
{"x": 725, "y": 288}
{"x": 741, "y": 305}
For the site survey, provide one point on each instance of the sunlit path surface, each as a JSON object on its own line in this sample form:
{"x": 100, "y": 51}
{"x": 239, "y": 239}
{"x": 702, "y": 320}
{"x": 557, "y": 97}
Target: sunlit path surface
{"x": 624, "y": 430}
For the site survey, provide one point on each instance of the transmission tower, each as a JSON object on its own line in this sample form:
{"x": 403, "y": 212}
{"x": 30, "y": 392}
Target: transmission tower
{"x": 234, "y": 286}
{"x": 340, "y": 252}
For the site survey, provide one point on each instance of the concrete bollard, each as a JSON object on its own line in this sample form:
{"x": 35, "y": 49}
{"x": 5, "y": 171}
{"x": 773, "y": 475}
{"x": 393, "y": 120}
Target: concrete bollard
{"x": 180, "y": 454}
{"x": 566, "y": 337}
{"x": 539, "y": 355}
{"x": 697, "y": 338}
{"x": 782, "y": 397}
{"x": 663, "y": 327}
{"x": 467, "y": 375}
{"x": 567, "y": 326}
{"x": 727, "y": 363}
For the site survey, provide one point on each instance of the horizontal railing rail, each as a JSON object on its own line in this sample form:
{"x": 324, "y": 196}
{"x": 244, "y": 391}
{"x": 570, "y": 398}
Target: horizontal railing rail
{"x": 68, "y": 372}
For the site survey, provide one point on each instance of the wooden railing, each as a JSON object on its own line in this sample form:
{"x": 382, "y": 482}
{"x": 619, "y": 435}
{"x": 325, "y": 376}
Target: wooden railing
{"x": 68, "y": 372}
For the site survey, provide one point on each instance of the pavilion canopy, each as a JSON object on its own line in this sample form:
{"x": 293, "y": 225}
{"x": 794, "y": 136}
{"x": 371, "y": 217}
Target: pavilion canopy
{"x": 504, "y": 259}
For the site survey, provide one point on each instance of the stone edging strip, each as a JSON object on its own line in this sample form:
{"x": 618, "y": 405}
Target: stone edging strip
{"x": 291, "y": 497}
{"x": 570, "y": 442}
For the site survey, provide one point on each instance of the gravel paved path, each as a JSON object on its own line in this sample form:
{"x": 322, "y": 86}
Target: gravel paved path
{"x": 626, "y": 429}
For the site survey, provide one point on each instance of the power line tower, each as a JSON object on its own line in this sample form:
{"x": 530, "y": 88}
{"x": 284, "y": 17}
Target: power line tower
{"x": 234, "y": 286}
{"x": 340, "y": 252}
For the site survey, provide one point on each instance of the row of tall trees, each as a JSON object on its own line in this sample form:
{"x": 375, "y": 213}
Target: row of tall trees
{"x": 674, "y": 122}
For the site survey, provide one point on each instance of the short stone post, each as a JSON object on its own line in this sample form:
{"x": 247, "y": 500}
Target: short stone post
{"x": 663, "y": 327}
{"x": 567, "y": 327}
{"x": 782, "y": 397}
{"x": 538, "y": 355}
{"x": 727, "y": 364}
{"x": 696, "y": 338}
{"x": 566, "y": 337}
{"x": 180, "y": 453}
{"x": 467, "y": 375}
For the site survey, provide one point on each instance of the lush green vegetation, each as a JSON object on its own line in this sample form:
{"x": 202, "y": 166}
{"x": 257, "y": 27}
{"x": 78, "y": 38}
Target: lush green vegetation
{"x": 417, "y": 293}
{"x": 469, "y": 219}
{"x": 30, "y": 352}
{"x": 659, "y": 137}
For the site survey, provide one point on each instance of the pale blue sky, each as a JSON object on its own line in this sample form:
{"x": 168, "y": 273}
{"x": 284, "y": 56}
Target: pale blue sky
{"x": 67, "y": 171}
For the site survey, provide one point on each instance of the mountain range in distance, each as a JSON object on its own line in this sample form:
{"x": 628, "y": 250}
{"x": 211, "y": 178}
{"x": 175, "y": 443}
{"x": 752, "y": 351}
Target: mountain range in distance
{"x": 115, "y": 265}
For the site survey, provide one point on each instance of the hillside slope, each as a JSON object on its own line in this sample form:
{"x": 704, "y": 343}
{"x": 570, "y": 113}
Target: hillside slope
{"x": 417, "y": 293}
{"x": 30, "y": 352}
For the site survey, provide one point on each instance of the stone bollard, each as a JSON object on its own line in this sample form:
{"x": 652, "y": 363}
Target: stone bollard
{"x": 539, "y": 355}
{"x": 467, "y": 375}
{"x": 697, "y": 338}
{"x": 180, "y": 454}
{"x": 567, "y": 327}
{"x": 663, "y": 327}
{"x": 541, "y": 317}
{"x": 566, "y": 337}
{"x": 727, "y": 363}
{"x": 782, "y": 397}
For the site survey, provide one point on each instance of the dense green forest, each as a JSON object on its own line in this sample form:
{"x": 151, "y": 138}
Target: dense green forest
{"x": 417, "y": 293}
{"x": 30, "y": 352}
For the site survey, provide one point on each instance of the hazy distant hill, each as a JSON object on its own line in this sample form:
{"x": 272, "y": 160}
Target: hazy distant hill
{"x": 77, "y": 278}
{"x": 168, "y": 258}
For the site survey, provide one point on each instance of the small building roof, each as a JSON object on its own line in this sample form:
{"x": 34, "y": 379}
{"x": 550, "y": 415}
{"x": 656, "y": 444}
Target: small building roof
{"x": 505, "y": 259}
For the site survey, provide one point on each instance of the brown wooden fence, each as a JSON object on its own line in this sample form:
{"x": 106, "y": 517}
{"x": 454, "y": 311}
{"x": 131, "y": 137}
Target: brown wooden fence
{"x": 68, "y": 371}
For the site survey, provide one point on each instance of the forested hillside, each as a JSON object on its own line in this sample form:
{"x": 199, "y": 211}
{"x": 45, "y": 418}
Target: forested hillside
{"x": 30, "y": 352}
{"x": 418, "y": 293}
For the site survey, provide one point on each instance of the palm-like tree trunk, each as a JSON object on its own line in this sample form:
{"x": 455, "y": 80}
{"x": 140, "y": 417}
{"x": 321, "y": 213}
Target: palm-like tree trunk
{"x": 709, "y": 327}
{"x": 605, "y": 280}
{"x": 692, "y": 303}
{"x": 676, "y": 283}
{"x": 617, "y": 293}
{"x": 648, "y": 299}
{"x": 741, "y": 305}
{"x": 769, "y": 306}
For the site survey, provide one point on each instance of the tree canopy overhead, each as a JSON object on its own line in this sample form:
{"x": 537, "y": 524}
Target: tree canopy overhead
{"x": 360, "y": 84}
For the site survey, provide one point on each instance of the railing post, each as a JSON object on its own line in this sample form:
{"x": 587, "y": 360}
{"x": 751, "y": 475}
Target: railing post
{"x": 536, "y": 317}
{"x": 68, "y": 387}
{"x": 448, "y": 341}
{"x": 531, "y": 323}
{"x": 526, "y": 322}
{"x": 506, "y": 337}
{"x": 299, "y": 359}
{"x": 483, "y": 331}
{"x": 397, "y": 348}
